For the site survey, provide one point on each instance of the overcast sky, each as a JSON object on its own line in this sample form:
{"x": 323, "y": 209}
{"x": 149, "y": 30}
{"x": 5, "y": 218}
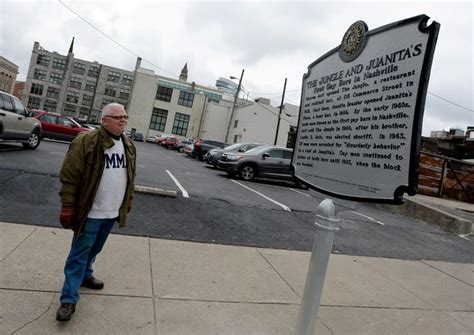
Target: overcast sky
{"x": 271, "y": 40}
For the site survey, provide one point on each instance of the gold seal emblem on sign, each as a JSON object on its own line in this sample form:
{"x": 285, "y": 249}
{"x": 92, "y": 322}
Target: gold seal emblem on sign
{"x": 353, "y": 41}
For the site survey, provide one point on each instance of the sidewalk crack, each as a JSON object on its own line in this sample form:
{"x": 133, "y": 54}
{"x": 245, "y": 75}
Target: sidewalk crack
{"x": 152, "y": 287}
{"x": 19, "y": 244}
{"x": 35, "y": 319}
{"x": 278, "y": 273}
{"x": 448, "y": 274}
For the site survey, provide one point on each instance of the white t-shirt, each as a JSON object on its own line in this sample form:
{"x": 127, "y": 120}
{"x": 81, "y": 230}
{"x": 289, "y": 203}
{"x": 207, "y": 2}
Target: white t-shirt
{"x": 113, "y": 184}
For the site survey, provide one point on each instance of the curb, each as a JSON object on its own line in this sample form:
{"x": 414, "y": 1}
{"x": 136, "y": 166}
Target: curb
{"x": 155, "y": 191}
{"x": 430, "y": 215}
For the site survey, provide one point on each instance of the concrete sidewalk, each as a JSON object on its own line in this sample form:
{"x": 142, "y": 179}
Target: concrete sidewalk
{"x": 156, "y": 286}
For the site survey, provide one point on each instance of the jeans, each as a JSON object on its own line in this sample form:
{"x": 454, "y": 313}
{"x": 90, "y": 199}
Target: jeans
{"x": 84, "y": 249}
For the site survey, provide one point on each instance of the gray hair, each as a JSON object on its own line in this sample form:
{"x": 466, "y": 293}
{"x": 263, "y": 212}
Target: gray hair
{"x": 113, "y": 105}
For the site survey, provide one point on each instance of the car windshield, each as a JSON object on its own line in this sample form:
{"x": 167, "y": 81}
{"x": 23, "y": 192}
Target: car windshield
{"x": 257, "y": 150}
{"x": 233, "y": 147}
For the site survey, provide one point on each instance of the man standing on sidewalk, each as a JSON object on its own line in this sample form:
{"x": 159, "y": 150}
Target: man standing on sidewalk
{"x": 97, "y": 179}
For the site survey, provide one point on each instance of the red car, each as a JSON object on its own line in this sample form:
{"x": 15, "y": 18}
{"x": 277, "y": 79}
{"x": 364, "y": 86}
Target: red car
{"x": 58, "y": 126}
{"x": 170, "y": 142}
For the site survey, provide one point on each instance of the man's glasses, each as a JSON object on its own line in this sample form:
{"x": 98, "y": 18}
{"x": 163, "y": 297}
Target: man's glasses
{"x": 117, "y": 117}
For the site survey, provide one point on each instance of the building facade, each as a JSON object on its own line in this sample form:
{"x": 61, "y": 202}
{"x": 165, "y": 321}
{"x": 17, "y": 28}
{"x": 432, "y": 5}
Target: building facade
{"x": 71, "y": 86}
{"x": 258, "y": 121}
{"x": 161, "y": 105}
{"x": 8, "y": 72}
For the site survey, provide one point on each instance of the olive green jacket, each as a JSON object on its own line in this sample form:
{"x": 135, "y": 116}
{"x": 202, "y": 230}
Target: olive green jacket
{"x": 82, "y": 170}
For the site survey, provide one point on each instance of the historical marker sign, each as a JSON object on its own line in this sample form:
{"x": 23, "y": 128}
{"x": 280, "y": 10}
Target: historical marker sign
{"x": 361, "y": 112}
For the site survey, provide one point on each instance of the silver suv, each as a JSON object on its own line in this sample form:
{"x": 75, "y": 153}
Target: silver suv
{"x": 263, "y": 161}
{"x": 17, "y": 124}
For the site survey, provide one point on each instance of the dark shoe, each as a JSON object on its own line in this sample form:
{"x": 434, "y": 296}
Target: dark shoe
{"x": 93, "y": 283}
{"x": 65, "y": 312}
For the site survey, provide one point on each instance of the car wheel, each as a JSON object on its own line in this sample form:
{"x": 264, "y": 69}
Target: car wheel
{"x": 33, "y": 141}
{"x": 248, "y": 172}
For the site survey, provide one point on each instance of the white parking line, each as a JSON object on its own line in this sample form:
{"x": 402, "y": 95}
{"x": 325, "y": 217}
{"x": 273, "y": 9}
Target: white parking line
{"x": 286, "y": 208}
{"x": 466, "y": 236}
{"x": 308, "y": 195}
{"x": 185, "y": 194}
{"x": 368, "y": 217}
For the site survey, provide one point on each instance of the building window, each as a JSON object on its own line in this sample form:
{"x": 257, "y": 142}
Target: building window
{"x": 52, "y": 92}
{"x": 158, "y": 119}
{"x": 106, "y": 101}
{"x": 164, "y": 93}
{"x": 75, "y": 82}
{"x": 36, "y": 89}
{"x": 39, "y": 74}
{"x": 56, "y": 78}
{"x": 127, "y": 79}
{"x": 124, "y": 93}
{"x": 93, "y": 72}
{"x": 69, "y": 110}
{"x": 180, "y": 124}
{"x": 79, "y": 68}
{"x": 34, "y": 102}
{"x": 72, "y": 97}
{"x": 110, "y": 91}
{"x": 50, "y": 105}
{"x": 42, "y": 60}
{"x": 84, "y": 113}
{"x": 236, "y": 123}
{"x": 186, "y": 99}
{"x": 113, "y": 76}
{"x": 90, "y": 86}
{"x": 87, "y": 100}
{"x": 59, "y": 64}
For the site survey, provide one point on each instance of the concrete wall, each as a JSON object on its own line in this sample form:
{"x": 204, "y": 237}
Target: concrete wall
{"x": 258, "y": 122}
{"x": 215, "y": 120}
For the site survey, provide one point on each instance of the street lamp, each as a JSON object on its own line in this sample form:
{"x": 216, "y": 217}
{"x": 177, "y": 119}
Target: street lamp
{"x": 233, "y": 106}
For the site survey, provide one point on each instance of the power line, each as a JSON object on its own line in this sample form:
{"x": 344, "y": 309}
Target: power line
{"x": 451, "y": 102}
{"x": 111, "y": 39}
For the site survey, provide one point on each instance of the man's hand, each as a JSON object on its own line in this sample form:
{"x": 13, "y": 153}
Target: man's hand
{"x": 66, "y": 216}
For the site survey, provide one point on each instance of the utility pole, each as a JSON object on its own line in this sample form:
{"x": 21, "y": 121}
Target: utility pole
{"x": 279, "y": 114}
{"x": 233, "y": 108}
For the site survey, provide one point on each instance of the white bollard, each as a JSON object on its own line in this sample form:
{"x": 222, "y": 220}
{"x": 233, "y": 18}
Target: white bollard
{"x": 323, "y": 240}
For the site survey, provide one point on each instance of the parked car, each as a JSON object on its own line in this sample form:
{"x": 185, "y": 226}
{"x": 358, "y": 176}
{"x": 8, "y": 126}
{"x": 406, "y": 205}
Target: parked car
{"x": 91, "y": 126}
{"x": 188, "y": 149}
{"x": 264, "y": 161}
{"x": 161, "y": 138}
{"x": 136, "y": 137}
{"x": 151, "y": 139}
{"x": 182, "y": 144}
{"x": 17, "y": 124}
{"x": 139, "y": 137}
{"x": 213, "y": 155}
{"x": 201, "y": 147}
{"x": 59, "y": 127}
{"x": 170, "y": 142}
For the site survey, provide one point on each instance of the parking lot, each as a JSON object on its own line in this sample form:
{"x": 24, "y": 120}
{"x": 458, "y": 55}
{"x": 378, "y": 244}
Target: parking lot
{"x": 213, "y": 208}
